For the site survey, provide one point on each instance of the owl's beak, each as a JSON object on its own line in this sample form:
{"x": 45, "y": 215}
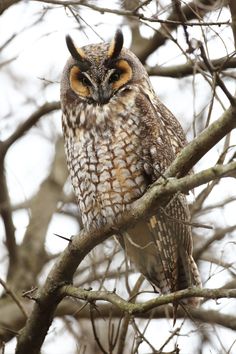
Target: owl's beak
{"x": 102, "y": 95}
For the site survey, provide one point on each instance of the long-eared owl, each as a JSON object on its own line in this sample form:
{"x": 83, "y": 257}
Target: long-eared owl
{"x": 119, "y": 138}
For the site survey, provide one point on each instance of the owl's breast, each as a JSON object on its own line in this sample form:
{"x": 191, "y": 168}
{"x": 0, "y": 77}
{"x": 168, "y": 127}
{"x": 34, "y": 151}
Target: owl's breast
{"x": 106, "y": 169}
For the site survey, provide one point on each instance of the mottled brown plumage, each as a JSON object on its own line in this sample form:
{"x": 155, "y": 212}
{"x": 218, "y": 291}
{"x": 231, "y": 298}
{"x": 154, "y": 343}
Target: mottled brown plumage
{"x": 119, "y": 138}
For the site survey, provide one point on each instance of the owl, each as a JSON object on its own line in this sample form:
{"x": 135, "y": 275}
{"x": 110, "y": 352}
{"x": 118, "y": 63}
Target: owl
{"x": 119, "y": 139}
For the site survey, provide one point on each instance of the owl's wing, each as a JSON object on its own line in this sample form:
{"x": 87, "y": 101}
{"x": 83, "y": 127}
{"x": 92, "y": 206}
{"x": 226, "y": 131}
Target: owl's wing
{"x": 163, "y": 250}
{"x": 172, "y": 124}
{"x": 162, "y": 135}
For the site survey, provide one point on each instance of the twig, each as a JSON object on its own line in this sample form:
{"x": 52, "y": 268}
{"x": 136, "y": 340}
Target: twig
{"x": 184, "y": 222}
{"x": 63, "y": 237}
{"x": 175, "y": 332}
{"x": 87, "y": 24}
{"x": 94, "y": 329}
{"x": 127, "y": 13}
{"x": 141, "y": 336}
{"x": 213, "y": 71}
{"x": 145, "y": 3}
{"x": 14, "y": 298}
{"x": 125, "y": 324}
{"x": 28, "y": 293}
{"x": 28, "y": 124}
{"x": 218, "y": 235}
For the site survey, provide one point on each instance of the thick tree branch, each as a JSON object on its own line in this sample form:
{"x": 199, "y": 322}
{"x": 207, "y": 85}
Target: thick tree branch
{"x": 183, "y": 70}
{"x": 137, "y": 308}
{"x": 194, "y": 151}
{"x": 68, "y": 307}
{"x": 5, "y": 4}
{"x": 12, "y": 319}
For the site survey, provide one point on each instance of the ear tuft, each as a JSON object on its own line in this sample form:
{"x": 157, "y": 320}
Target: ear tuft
{"x": 78, "y": 54}
{"x": 116, "y": 45}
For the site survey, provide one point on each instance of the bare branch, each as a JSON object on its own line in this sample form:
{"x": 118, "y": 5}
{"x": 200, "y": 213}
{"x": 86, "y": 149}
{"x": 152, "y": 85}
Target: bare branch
{"x": 28, "y": 124}
{"x": 194, "y": 151}
{"x": 68, "y": 307}
{"x": 6, "y": 215}
{"x": 137, "y": 308}
{"x": 14, "y": 297}
{"x": 12, "y": 318}
{"x": 125, "y": 324}
{"x": 5, "y": 4}
{"x": 179, "y": 71}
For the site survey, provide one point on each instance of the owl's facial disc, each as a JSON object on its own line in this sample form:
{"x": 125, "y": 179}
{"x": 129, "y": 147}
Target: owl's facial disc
{"x": 98, "y": 89}
{"x": 99, "y": 80}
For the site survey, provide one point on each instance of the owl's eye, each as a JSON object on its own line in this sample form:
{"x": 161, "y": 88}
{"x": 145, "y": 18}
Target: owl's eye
{"x": 84, "y": 80}
{"x": 115, "y": 76}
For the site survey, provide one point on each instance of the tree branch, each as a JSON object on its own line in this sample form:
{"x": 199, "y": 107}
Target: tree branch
{"x": 183, "y": 70}
{"x": 12, "y": 319}
{"x": 195, "y": 150}
{"x": 5, "y": 4}
{"x": 138, "y": 308}
{"x": 70, "y": 307}
{"x": 7, "y": 220}
{"x": 28, "y": 124}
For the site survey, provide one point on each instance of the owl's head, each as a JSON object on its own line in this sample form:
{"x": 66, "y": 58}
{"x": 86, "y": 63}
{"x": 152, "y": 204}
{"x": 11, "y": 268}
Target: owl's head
{"x": 95, "y": 73}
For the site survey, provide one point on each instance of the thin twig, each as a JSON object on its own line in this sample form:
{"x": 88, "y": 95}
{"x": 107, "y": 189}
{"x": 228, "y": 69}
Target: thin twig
{"x": 94, "y": 329}
{"x": 14, "y": 298}
{"x": 219, "y": 81}
{"x": 184, "y": 222}
{"x": 133, "y": 14}
{"x": 63, "y": 237}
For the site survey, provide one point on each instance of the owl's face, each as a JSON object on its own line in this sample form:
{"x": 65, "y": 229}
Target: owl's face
{"x": 96, "y": 73}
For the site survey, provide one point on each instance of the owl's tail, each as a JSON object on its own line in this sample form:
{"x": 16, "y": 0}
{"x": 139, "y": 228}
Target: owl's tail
{"x": 161, "y": 249}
